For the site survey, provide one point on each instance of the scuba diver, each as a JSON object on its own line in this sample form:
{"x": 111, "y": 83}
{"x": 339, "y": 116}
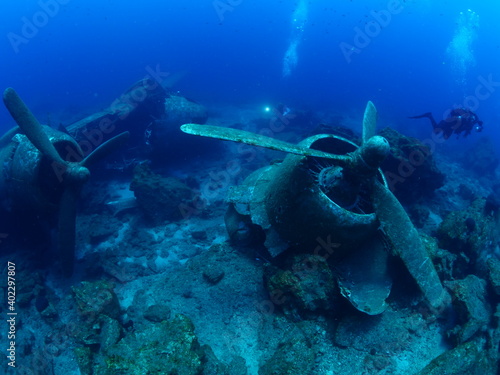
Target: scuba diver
{"x": 459, "y": 120}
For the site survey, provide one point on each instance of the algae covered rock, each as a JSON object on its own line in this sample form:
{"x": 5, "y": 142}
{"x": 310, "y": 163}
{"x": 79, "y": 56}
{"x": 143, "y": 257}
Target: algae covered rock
{"x": 169, "y": 347}
{"x": 157, "y": 313}
{"x": 482, "y": 157}
{"x": 99, "y": 311}
{"x": 410, "y": 169}
{"x": 471, "y": 305}
{"x": 307, "y": 285}
{"x": 212, "y": 366}
{"x": 102, "y": 227}
{"x": 83, "y": 357}
{"x": 96, "y": 298}
{"x": 159, "y": 197}
{"x": 494, "y": 274}
{"x": 466, "y": 359}
{"x": 293, "y": 357}
{"x": 469, "y": 231}
{"x": 212, "y": 273}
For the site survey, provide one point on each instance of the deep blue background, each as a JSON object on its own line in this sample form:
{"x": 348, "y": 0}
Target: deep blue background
{"x": 90, "y": 51}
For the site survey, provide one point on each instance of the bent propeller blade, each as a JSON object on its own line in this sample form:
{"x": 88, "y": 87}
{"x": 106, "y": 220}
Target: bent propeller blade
{"x": 242, "y": 136}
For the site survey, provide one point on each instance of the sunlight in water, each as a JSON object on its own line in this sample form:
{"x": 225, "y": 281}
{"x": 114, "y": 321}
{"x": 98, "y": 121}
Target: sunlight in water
{"x": 460, "y": 50}
{"x": 299, "y": 19}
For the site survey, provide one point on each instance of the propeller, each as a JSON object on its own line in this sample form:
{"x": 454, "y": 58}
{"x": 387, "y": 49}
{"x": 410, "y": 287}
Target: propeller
{"x": 72, "y": 175}
{"x": 400, "y": 231}
{"x": 259, "y": 140}
{"x": 362, "y": 166}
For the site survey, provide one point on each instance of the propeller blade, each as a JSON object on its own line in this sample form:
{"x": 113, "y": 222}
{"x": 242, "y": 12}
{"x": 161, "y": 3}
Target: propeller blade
{"x": 242, "y": 136}
{"x": 407, "y": 244}
{"x": 30, "y": 125}
{"x": 67, "y": 227}
{"x": 106, "y": 149}
{"x": 363, "y": 277}
{"x": 369, "y": 121}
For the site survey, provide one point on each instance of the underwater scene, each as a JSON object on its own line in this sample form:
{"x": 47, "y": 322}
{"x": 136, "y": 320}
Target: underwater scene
{"x": 250, "y": 187}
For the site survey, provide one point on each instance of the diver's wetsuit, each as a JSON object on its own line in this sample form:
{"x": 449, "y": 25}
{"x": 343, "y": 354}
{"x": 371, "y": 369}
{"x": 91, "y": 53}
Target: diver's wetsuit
{"x": 460, "y": 120}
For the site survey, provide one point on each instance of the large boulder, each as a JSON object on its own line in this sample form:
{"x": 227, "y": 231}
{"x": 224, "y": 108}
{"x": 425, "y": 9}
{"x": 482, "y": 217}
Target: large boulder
{"x": 169, "y": 347}
{"x": 471, "y": 306}
{"x": 469, "y": 233}
{"x": 482, "y": 157}
{"x": 466, "y": 359}
{"x": 160, "y": 198}
{"x": 307, "y": 285}
{"x": 410, "y": 169}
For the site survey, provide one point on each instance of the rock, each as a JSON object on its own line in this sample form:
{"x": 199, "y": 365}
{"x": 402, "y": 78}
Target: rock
{"x": 492, "y": 205}
{"x": 388, "y": 333}
{"x": 97, "y": 322}
{"x": 410, "y": 168}
{"x": 471, "y": 305}
{"x": 84, "y": 359}
{"x": 138, "y": 242}
{"x": 467, "y": 231}
{"x": 238, "y": 366}
{"x": 29, "y": 288}
{"x": 481, "y": 158}
{"x": 160, "y": 198}
{"x": 169, "y": 347}
{"x": 212, "y": 366}
{"x": 41, "y": 302}
{"x": 110, "y": 331}
{"x": 213, "y": 274}
{"x": 419, "y": 215}
{"x": 157, "y": 313}
{"x": 49, "y": 314}
{"x": 292, "y": 357}
{"x": 494, "y": 274}
{"x": 465, "y": 192}
{"x": 199, "y": 235}
{"x": 95, "y": 298}
{"x": 466, "y": 359}
{"x": 102, "y": 227}
{"x": 125, "y": 271}
{"x": 307, "y": 285}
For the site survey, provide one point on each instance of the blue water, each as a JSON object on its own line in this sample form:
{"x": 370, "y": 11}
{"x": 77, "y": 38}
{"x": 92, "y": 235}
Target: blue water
{"x": 70, "y": 57}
